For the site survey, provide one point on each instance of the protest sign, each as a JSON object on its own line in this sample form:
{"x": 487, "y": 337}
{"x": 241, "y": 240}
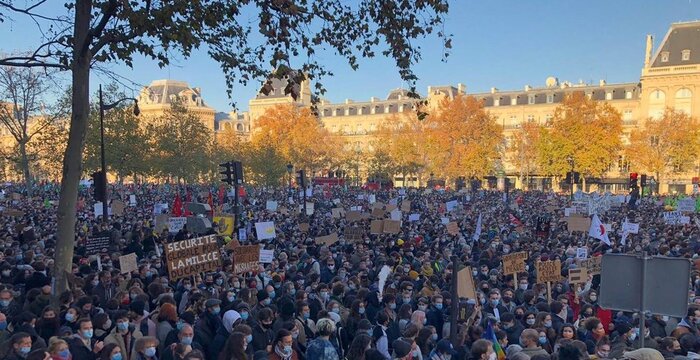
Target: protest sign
{"x": 225, "y": 223}
{"x": 592, "y": 265}
{"x": 685, "y": 220}
{"x": 265, "y": 230}
{"x": 327, "y": 240}
{"x": 413, "y": 217}
{"x": 98, "y": 245}
{"x": 13, "y": 212}
{"x": 576, "y": 223}
{"x": 395, "y": 215}
{"x": 160, "y": 208}
{"x": 176, "y": 224}
{"x": 271, "y": 205}
{"x": 451, "y": 205}
{"x": 97, "y": 207}
{"x": 309, "y": 208}
{"x": 161, "y": 222}
{"x": 245, "y": 258}
{"x": 548, "y": 271}
{"x": 352, "y": 233}
{"x": 630, "y": 228}
{"x": 672, "y": 217}
{"x": 192, "y": 256}
{"x": 405, "y": 205}
{"x": 444, "y": 220}
{"x": 378, "y": 204}
{"x": 580, "y": 207}
{"x": 376, "y": 227}
{"x": 514, "y": 263}
{"x": 465, "y": 284}
{"x": 266, "y": 256}
{"x": 578, "y": 276}
{"x": 118, "y": 207}
{"x": 551, "y": 208}
{"x": 372, "y": 198}
{"x": 304, "y": 227}
{"x": 132, "y": 200}
{"x": 377, "y": 213}
{"x": 128, "y": 263}
{"x": 353, "y": 216}
{"x": 582, "y": 253}
{"x": 337, "y": 213}
{"x": 390, "y": 208}
{"x": 392, "y": 226}
{"x": 452, "y": 228}
{"x": 16, "y": 196}
{"x": 686, "y": 205}
{"x": 569, "y": 211}
{"x": 242, "y": 234}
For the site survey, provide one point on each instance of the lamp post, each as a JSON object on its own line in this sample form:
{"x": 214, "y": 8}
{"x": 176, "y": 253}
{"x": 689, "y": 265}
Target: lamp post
{"x": 570, "y": 159}
{"x": 290, "y": 167}
{"x": 104, "y": 107}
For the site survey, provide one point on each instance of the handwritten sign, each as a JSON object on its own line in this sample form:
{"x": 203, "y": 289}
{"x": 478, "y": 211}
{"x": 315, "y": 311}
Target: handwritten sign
{"x": 548, "y": 271}
{"x": 465, "y": 284}
{"x": 353, "y": 215}
{"x": 593, "y": 265}
{"x": 580, "y": 207}
{"x": 577, "y": 223}
{"x": 266, "y": 256}
{"x": 406, "y": 206}
{"x": 304, "y": 227}
{"x": 673, "y": 217}
{"x": 376, "y": 227}
{"x": 327, "y": 240}
{"x": 128, "y": 263}
{"x": 192, "y": 256}
{"x": 176, "y": 224}
{"x": 514, "y": 263}
{"x": 578, "y": 276}
{"x": 452, "y": 228}
{"x": 245, "y": 258}
{"x": 392, "y": 226}
{"x": 352, "y": 233}
{"x": 99, "y": 245}
{"x": 377, "y": 213}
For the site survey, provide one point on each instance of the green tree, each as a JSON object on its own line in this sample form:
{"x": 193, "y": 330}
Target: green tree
{"x": 49, "y": 147}
{"x": 265, "y": 165}
{"x": 380, "y": 166}
{"x": 101, "y": 31}
{"x": 180, "y": 145}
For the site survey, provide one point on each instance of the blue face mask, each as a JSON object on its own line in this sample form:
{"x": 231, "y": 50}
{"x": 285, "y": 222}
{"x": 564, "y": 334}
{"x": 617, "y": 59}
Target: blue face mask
{"x": 249, "y": 339}
{"x": 87, "y": 334}
{"x": 4, "y": 303}
{"x": 392, "y": 306}
{"x": 543, "y": 340}
{"x": 124, "y": 326}
{"x": 3, "y": 325}
{"x": 271, "y": 294}
{"x": 306, "y": 315}
{"x": 438, "y": 306}
{"x": 548, "y": 324}
{"x": 231, "y": 298}
{"x": 216, "y": 310}
{"x": 187, "y": 340}
{"x": 293, "y": 292}
{"x": 494, "y": 303}
{"x": 336, "y": 310}
{"x": 266, "y": 301}
{"x": 434, "y": 337}
{"x": 117, "y": 356}
{"x": 64, "y": 353}
{"x": 361, "y": 310}
{"x": 287, "y": 349}
{"x": 244, "y": 316}
{"x": 24, "y": 350}
{"x": 70, "y": 317}
{"x": 150, "y": 352}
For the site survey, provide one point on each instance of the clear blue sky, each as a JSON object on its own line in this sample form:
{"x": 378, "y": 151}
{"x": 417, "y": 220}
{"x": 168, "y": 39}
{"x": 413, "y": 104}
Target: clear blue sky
{"x": 501, "y": 43}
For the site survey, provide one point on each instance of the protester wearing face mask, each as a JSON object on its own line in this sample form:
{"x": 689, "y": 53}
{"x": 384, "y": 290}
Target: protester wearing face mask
{"x": 493, "y": 305}
{"x": 206, "y": 326}
{"x": 482, "y": 350}
{"x": 262, "y": 331}
{"x": 626, "y": 335}
{"x": 321, "y": 347}
{"x": 20, "y": 345}
{"x": 123, "y": 333}
{"x": 649, "y": 342}
{"x": 83, "y": 345}
{"x": 145, "y": 348}
{"x": 58, "y": 349}
{"x": 688, "y": 324}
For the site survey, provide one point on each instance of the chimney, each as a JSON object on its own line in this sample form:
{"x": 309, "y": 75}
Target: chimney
{"x": 494, "y": 90}
{"x": 650, "y": 47}
{"x": 373, "y": 99}
{"x": 461, "y": 89}
{"x": 602, "y": 83}
{"x": 430, "y": 90}
{"x": 528, "y": 88}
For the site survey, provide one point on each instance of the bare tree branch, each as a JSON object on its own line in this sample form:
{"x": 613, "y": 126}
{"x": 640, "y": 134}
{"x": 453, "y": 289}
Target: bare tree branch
{"x": 28, "y": 11}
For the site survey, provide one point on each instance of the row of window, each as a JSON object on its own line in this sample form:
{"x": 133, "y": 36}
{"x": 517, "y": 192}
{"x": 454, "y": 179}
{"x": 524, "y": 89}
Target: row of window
{"x": 366, "y": 110}
{"x": 685, "y": 55}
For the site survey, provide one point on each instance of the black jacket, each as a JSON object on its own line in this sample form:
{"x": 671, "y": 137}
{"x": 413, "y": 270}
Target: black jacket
{"x": 261, "y": 338}
{"x": 78, "y": 349}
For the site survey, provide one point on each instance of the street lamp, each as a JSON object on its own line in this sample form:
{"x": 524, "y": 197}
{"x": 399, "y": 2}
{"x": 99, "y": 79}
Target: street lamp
{"x": 290, "y": 167}
{"x": 104, "y": 107}
{"x": 570, "y": 159}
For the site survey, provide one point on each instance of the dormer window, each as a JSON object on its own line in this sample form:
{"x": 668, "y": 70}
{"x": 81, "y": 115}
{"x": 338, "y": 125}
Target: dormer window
{"x": 664, "y": 56}
{"x": 685, "y": 55}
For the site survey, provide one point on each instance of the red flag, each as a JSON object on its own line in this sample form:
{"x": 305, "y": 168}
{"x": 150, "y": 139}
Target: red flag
{"x": 211, "y": 204}
{"x": 241, "y": 191}
{"x": 515, "y": 221}
{"x": 177, "y": 206}
{"x": 188, "y": 199}
{"x": 222, "y": 193}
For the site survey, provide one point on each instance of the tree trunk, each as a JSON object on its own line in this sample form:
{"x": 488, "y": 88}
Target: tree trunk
{"x": 24, "y": 163}
{"x": 72, "y": 165}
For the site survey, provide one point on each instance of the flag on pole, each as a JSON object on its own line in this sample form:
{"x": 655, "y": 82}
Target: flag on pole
{"x": 177, "y": 206}
{"x": 477, "y": 231}
{"x": 211, "y": 204}
{"x": 188, "y": 199}
{"x": 515, "y": 221}
{"x": 222, "y": 193}
{"x": 597, "y": 230}
{"x": 490, "y": 335}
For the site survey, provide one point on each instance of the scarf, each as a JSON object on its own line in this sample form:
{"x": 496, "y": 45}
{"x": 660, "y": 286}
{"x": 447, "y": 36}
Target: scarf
{"x": 282, "y": 354}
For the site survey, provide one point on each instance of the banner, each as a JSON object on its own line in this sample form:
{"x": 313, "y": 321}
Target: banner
{"x": 265, "y": 230}
{"x": 192, "y": 256}
{"x": 245, "y": 258}
{"x": 176, "y": 224}
{"x": 686, "y": 205}
{"x": 673, "y": 217}
{"x": 128, "y": 263}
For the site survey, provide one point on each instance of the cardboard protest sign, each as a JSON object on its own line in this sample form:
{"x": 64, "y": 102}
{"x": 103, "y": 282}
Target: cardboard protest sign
{"x": 13, "y": 212}
{"x": 376, "y": 227}
{"x": 548, "y": 271}
{"x": 406, "y": 205}
{"x": 392, "y": 226}
{"x": 304, "y": 227}
{"x": 377, "y": 213}
{"x": 176, "y": 224}
{"x": 630, "y": 228}
{"x": 225, "y": 223}
{"x": 16, "y": 196}
{"x": 266, "y": 256}
{"x": 353, "y": 216}
{"x": 452, "y": 228}
{"x": 128, "y": 263}
{"x": 192, "y": 256}
{"x": 98, "y": 245}
{"x": 118, "y": 207}
{"x": 465, "y": 284}
{"x": 390, "y": 208}
{"x": 514, "y": 263}
{"x": 576, "y": 223}
{"x": 352, "y": 233}
{"x": 578, "y": 276}
{"x": 245, "y": 258}
{"x": 271, "y": 205}
{"x": 593, "y": 265}
{"x": 327, "y": 240}
{"x": 413, "y": 217}
{"x": 337, "y": 213}
{"x": 265, "y": 230}
{"x": 378, "y": 204}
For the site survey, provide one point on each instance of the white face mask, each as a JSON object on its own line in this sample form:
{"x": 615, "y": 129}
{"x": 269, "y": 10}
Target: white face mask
{"x": 492, "y": 356}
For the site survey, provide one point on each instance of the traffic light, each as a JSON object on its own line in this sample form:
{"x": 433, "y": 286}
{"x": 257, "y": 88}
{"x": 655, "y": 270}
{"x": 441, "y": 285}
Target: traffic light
{"x": 237, "y": 172}
{"x": 99, "y": 182}
{"x": 633, "y": 180}
{"x": 227, "y": 172}
{"x": 301, "y": 179}
{"x": 643, "y": 180}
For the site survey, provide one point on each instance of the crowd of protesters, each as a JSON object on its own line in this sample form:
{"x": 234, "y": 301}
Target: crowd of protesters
{"x": 320, "y": 302}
